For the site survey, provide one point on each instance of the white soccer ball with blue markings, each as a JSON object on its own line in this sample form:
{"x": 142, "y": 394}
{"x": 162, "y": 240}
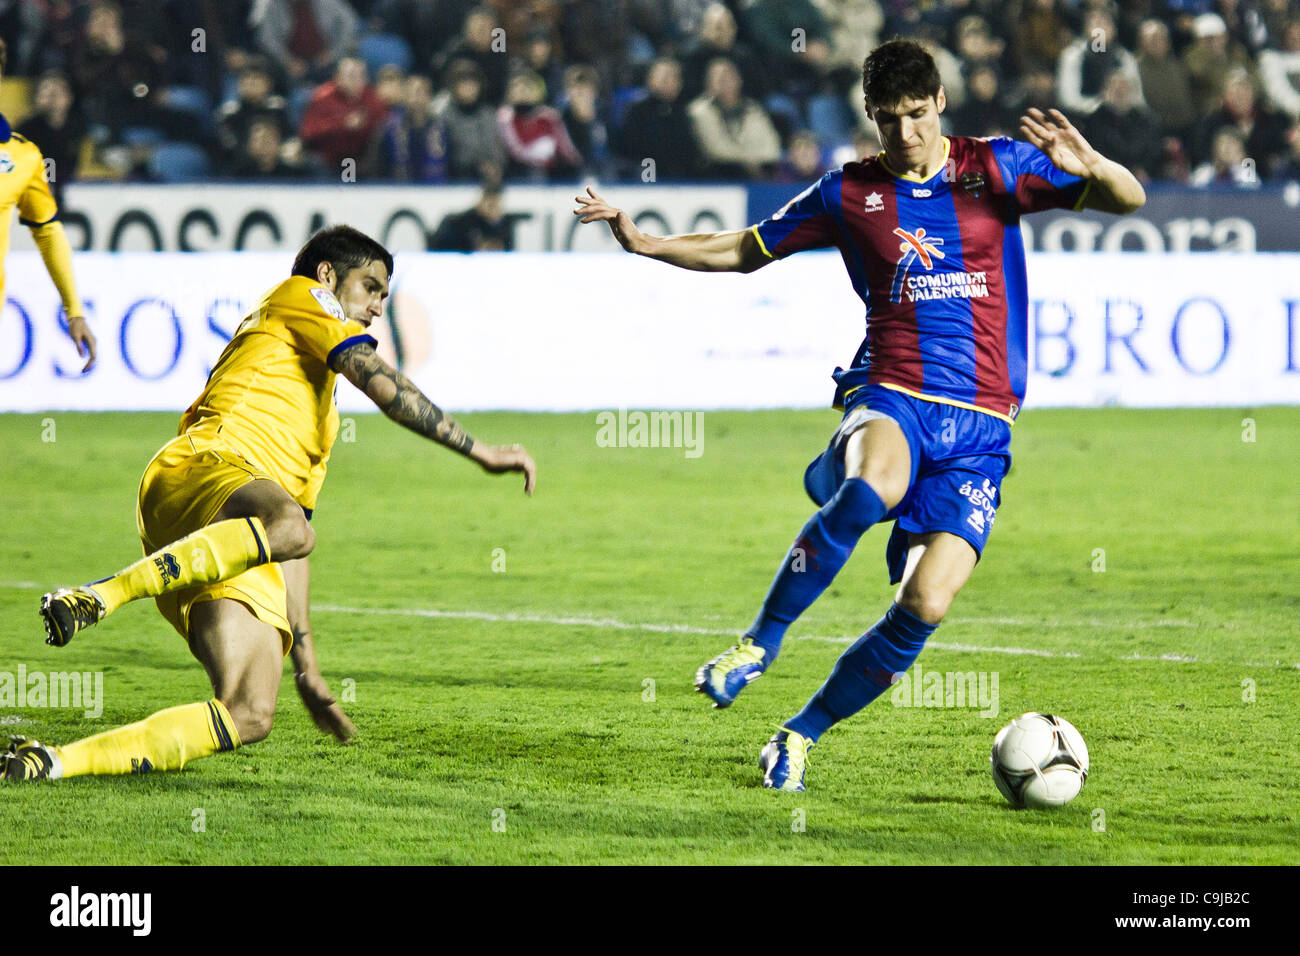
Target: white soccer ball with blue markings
{"x": 1039, "y": 761}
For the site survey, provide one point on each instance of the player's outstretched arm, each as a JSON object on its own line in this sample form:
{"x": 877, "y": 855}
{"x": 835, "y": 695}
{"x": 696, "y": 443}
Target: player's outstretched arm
{"x": 737, "y": 251}
{"x": 399, "y": 399}
{"x": 56, "y": 253}
{"x": 1114, "y": 188}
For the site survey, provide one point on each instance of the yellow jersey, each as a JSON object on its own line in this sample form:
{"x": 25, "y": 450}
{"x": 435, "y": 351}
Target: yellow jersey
{"x": 271, "y": 395}
{"x": 22, "y": 184}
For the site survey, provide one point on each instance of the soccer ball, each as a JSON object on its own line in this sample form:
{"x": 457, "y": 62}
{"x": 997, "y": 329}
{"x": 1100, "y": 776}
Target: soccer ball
{"x": 1039, "y": 761}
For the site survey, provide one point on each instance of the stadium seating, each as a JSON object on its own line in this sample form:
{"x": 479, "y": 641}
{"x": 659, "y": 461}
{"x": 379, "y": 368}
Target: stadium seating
{"x": 193, "y": 102}
{"x": 142, "y": 136}
{"x": 297, "y": 104}
{"x": 178, "y": 163}
{"x": 381, "y": 49}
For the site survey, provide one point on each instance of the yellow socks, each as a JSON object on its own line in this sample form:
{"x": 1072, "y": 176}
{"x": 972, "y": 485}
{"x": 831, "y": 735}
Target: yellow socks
{"x": 213, "y": 553}
{"x": 164, "y": 741}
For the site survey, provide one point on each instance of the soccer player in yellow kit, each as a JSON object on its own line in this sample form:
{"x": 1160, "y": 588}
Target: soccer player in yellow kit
{"x": 223, "y": 514}
{"x": 23, "y": 184}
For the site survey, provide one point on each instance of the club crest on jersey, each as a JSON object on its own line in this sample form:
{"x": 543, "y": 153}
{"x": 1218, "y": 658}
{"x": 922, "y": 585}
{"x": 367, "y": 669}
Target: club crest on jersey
{"x": 875, "y": 202}
{"x": 6, "y": 162}
{"x": 921, "y": 247}
{"x": 973, "y": 183}
{"x": 329, "y": 303}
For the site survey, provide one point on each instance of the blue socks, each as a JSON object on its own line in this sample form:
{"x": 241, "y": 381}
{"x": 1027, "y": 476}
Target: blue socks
{"x": 820, "y": 551}
{"x": 864, "y": 671}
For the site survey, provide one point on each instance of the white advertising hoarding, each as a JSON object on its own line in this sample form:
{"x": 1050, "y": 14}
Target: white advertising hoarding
{"x": 233, "y": 218}
{"x": 603, "y": 331}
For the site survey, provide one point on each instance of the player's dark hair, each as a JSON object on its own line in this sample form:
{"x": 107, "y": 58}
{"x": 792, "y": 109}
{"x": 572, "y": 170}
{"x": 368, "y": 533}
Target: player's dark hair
{"x": 899, "y": 70}
{"x": 342, "y": 247}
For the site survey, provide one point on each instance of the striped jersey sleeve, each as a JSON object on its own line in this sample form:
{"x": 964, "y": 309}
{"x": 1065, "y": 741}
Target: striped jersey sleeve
{"x": 1035, "y": 180}
{"x": 806, "y": 222}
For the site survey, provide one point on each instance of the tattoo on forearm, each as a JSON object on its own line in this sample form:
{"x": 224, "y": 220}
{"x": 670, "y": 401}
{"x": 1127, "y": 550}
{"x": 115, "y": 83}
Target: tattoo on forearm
{"x": 399, "y": 399}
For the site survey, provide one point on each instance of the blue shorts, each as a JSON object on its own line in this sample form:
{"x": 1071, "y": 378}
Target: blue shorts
{"x": 959, "y": 458}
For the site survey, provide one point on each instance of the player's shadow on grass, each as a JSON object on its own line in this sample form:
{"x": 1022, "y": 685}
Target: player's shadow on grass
{"x": 942, "y": 798}
{"x": 139, "y": 658}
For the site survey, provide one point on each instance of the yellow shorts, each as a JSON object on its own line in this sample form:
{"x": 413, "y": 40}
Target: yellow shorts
{"x": 183, "y": 489}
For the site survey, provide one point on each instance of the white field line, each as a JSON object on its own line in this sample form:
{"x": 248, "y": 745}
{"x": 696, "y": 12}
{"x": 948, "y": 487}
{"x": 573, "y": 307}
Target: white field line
{"x": 614, "y": 624}
{"x": 684, "y": 629}
{"x": 1090, "y": 622}
{"x": 510, "y": 617}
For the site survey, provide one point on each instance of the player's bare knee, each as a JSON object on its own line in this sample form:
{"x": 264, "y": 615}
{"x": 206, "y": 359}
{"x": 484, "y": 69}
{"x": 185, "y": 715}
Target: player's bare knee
{"x": 889, "y": 485}
{"x": 307, "y": 541}
{"x": 289, "y": 534}
{"x": 253, "y": 719}
{"x": 928, "y": 603}
{"x": 878, "y": 453}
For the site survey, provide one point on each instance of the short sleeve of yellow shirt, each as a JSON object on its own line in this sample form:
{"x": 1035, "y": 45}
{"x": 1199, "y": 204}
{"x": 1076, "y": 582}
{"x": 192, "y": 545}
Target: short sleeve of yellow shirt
{"x": 307, "y": 316}
{"x": 270, "y": 396}
{"x": 36, "y": 204}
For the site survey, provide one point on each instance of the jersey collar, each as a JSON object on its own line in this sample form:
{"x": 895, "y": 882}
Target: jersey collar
{"x": 913, "y": 177}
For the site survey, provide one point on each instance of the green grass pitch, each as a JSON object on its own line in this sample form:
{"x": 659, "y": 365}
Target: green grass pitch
{"x": 545, "y": 714}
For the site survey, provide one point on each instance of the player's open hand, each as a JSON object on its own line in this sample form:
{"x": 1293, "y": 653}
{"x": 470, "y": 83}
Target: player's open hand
{"x": 1060, "y": 141}
{"x": 80, "y": 333}
{"x": 503, "y": 459}
{"x": 324, "y": 710}
{"x": 593, "y": 208}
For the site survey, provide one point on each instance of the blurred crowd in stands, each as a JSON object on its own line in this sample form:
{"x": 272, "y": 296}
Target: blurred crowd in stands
{"x": 536, "y": 91}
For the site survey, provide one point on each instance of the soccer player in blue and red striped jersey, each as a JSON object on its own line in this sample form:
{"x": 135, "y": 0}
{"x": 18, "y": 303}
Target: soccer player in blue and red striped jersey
{"x": 929, "y": 231}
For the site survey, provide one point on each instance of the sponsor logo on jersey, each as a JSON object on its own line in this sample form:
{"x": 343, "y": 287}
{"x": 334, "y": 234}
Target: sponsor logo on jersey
{"x": 330, "y": 304}
{"x": 921, "y": 193}
{"x": 875, "y": 202}
{"x": 919, "y": 247}
{"x": 6, "y": 162}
